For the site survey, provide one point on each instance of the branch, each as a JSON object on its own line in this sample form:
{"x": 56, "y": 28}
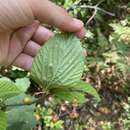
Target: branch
{"x": 95, "y": 12}
{"x": 91, "y": 18}
{"x": 106, "y": 12}
{"x": 95, "y": 7}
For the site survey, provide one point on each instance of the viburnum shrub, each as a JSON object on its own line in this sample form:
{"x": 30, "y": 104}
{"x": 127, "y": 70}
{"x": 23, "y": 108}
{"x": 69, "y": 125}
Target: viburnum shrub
{"x": 57, "y": 69}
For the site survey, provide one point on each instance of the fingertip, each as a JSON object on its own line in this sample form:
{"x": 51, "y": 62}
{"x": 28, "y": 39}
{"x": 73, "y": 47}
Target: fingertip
{"x": 81, "y": 33}
{"x": 78, "y": 24}
{"x": 71, "y": 24}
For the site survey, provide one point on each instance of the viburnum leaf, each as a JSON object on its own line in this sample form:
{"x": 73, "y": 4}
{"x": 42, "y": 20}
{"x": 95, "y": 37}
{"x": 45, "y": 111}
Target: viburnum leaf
{"x": 8, "y": 89}
{"x": 76, "y": 91}
{"x": 21, "y": 118}
{"x": 58, "y": 68}
{"x": 82, "y": 86}
{"x": 3, "y": 120}
{"x": 59, "y": 62}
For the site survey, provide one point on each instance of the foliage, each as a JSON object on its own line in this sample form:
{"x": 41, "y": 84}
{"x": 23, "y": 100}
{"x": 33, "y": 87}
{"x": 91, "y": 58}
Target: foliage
{"x": 126, "y": 114}
{"x": 8, "y": 89}
{"x": 22, "y": 118}
{"x": 58, "y": 68}
{"x": 12, "y": 96}
{"x": 50, "y": 119}
{"x": 60, "y": 72}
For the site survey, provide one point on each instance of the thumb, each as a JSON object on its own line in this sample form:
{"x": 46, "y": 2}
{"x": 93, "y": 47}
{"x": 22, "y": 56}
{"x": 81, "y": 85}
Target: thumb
{"x": 47, "y": 12}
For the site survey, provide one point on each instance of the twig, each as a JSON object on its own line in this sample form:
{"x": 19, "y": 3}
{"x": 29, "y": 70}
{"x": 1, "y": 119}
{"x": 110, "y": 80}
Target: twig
{"x": 106, "y": 12}
{"x": 90, "y": 19}
{"x": 95, "y": 7}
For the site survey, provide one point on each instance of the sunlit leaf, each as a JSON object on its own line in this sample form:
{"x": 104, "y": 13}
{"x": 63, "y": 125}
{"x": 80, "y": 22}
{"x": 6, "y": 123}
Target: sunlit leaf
{"x": 8, "y": 89}
{"x": 87, "y": 88}
{"x": 59, "y": 62}
{"x": 3, "y": 120}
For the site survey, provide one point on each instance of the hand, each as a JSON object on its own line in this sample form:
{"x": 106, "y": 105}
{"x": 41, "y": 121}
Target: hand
{"x": 21, "y": 33}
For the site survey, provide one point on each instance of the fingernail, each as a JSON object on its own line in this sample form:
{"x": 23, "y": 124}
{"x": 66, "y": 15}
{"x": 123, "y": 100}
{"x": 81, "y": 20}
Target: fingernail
{"x": 81, "y": 33}
{"x": 78, "y": 23}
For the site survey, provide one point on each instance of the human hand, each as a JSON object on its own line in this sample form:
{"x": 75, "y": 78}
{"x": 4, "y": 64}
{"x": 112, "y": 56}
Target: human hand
{"x": 21, "y": 33}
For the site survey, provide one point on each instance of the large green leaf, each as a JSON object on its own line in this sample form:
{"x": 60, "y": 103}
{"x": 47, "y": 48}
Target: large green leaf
{"x": 3, "y": 120}
{"x": 8, "y": 89}
{"x": 76, "y": 91}
{"x": 21, "y": 118}
{"x": 86, "y": 88}
{"x": 59, "y": 62}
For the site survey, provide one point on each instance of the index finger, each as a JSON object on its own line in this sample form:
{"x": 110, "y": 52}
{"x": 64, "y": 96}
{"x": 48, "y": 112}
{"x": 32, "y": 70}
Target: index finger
{"x": 47, "y": 12}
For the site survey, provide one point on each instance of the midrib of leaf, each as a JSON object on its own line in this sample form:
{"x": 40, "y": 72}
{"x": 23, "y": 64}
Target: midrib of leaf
{"x": 59, "y": 66}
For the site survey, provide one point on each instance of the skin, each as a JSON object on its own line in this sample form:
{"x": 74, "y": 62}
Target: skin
{"x": 21, "y": 33}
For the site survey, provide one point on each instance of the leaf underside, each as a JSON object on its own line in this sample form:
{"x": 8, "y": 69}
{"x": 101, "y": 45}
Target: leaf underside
{"x": 59, "y": 62}
{"x": 58, "y": 68}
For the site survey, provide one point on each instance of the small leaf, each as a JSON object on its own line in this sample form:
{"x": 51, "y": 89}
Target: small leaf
{"x": 8, "y": 89}
{"x": 59, "y": 62}
{"x": 3, "y": 120}
{"x": 23, "y": 83}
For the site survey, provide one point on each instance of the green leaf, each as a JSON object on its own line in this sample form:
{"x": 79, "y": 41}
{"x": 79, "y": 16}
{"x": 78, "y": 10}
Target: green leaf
{"x": 68, "y": 95}
{"x": 21, "y": 118}
{"x": 87, "y": 88}
{"x": 23, "y": 83}
{"x": 3, "y": 120}
{"x": 60, "y": 62}
{"x": 8, "y": 89}
{"x": 76, "y": 91}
